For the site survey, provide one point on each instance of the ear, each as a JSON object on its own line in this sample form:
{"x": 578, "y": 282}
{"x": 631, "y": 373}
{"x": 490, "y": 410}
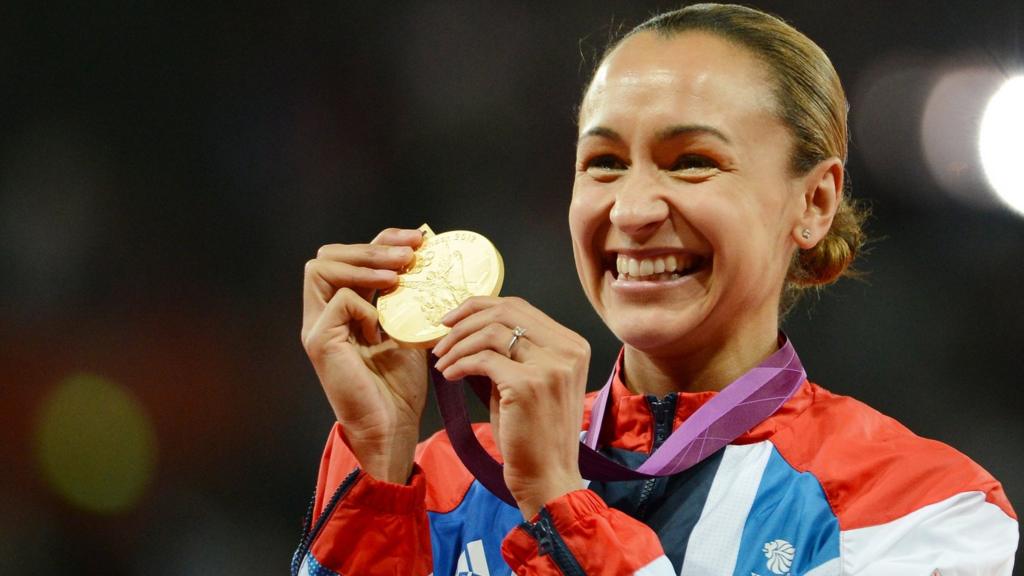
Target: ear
{"x": 822, "y": 189}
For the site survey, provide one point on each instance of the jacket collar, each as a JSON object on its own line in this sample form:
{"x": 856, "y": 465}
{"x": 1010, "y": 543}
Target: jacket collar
{"x": 633, "y": 428}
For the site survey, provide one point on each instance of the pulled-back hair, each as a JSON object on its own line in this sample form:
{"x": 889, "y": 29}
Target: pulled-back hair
{"x": 809, "y": 99}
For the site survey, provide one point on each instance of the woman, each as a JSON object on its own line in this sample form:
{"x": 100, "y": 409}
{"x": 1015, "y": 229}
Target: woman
{"x": 709, "y": 190}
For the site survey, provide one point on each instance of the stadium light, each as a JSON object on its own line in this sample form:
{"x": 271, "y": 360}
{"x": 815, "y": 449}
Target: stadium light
{"x": 1001, "y": 143}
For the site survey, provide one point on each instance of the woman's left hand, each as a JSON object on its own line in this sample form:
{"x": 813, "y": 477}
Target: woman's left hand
{"x": 537, "y": 394}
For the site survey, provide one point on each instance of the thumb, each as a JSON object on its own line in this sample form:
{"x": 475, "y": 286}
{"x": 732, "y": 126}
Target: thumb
{"x": 345, "y": 311}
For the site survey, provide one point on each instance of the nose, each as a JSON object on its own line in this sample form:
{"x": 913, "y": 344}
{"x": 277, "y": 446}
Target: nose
{"x": 639, "y": 208}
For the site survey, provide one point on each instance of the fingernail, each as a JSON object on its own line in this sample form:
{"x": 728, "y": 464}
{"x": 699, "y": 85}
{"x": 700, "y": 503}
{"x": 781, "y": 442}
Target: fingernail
{"x": 447, "y": 318}
{"x": 400, "y": 251}
{"x": 386, "y": 274}
{"x": 442, "y": 347}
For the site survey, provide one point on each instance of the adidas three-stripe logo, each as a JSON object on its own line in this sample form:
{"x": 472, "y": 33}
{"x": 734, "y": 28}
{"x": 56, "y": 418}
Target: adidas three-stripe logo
{"x": 472, "y": 561}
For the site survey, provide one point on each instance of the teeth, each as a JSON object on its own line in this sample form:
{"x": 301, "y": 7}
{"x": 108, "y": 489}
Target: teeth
{"x": 646, "y": 267}
{"x": 661, "y": 268}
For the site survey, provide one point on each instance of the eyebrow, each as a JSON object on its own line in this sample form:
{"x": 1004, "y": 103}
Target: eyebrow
{"x": 665, "y": 134}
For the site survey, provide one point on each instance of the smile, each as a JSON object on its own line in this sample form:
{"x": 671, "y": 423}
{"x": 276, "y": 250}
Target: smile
{"x": 657, "y": 268}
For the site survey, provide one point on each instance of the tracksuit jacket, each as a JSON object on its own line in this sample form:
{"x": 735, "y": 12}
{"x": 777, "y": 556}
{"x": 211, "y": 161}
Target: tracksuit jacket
{"x": 825, "y": 486}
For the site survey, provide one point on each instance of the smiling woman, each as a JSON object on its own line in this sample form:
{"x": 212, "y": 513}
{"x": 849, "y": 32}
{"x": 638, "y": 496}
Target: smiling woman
{"x": 683, "y": 154}
{"x": 709, "y": 191}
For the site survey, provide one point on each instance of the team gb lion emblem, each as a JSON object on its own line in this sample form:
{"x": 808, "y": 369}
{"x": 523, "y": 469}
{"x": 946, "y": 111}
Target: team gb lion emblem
{"x": 780, "y": 556}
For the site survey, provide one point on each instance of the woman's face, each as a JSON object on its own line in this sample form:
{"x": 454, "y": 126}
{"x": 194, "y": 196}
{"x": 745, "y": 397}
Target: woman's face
{"x": 683, "y": 208}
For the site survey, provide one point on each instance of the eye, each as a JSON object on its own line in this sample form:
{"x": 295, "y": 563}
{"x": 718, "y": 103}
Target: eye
{"x": 694, "y": 163}
{"x": 605, "y": 162}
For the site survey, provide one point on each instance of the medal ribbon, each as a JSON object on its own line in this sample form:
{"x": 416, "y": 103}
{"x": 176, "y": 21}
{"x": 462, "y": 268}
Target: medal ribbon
{"x": 737, "y": 408}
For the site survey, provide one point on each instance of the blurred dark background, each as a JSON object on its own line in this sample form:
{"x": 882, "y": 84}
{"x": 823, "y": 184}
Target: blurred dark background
{"x": 166, "y": 170}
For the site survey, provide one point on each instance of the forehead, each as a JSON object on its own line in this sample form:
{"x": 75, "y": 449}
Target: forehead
{"x": 686, "y": 77}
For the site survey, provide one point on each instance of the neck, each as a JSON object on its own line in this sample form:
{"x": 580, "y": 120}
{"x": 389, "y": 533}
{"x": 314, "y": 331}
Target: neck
{"x": 700, "y": 369}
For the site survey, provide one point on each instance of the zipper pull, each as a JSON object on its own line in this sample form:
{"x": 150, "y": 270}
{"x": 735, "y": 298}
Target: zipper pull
{"x": 543, "y": 532}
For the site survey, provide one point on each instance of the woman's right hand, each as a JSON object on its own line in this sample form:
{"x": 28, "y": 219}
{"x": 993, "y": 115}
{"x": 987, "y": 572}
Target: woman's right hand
{"x": 377, "y": 390}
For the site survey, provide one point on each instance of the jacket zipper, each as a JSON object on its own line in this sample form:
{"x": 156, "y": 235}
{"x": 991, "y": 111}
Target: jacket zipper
{"x": 663, "y": 410}
{"x": 550, "y": 542}
{"x": 314, "y": 531}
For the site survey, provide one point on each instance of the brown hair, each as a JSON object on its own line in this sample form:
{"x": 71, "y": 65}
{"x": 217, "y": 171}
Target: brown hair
{"x": 810, "y": 101}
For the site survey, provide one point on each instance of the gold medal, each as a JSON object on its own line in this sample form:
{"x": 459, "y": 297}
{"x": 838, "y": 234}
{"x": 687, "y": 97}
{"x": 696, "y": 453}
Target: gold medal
{"x": 447, "y": 269}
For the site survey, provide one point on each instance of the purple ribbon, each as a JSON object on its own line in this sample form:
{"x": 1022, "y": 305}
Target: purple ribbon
{"x": 736, "y": 409}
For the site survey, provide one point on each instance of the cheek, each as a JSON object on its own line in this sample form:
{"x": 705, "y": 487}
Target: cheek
{"x": 750, "y": 247}
{"x": 578, "y": 230}
{"x": 584, "y": 221}
{"x": 585, "y": 225}
{"x": 740, "y": 233}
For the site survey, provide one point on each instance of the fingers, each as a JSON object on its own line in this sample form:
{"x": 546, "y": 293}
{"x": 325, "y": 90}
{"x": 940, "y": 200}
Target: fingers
{"x": 495, "y": 337}
{"x": 327, "y": 276}
{"x": 358, "y": 268}
{"x": 469, "y": 307}
{"x": 324, "y": 278}
{"x": 399, "y": 237}
{"x": 392, "y": 250}
{"x": 368, "y": 255}
{"x": 346, "y": 310}
{"x": 477, "y": 313}
{"x": 488, "y": 363}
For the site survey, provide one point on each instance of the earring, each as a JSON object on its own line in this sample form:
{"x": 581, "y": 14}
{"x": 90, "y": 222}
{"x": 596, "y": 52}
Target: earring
{"x": 806, "y": 234}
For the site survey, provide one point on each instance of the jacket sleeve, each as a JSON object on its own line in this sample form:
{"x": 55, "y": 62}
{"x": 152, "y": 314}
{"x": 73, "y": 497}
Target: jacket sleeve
{"x": 579, "y": 534}
{"x": 965, "y": 534}
{"x": 363, "y": 525}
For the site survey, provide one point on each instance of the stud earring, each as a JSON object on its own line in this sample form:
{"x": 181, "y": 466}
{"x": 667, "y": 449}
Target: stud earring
{"x": 806, "y": 234}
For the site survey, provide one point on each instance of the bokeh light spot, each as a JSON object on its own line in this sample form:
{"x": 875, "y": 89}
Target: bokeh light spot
{"x": 95, "y": 444}
{"x": 952, "y": 114}
{"x": 1001, "y": 142}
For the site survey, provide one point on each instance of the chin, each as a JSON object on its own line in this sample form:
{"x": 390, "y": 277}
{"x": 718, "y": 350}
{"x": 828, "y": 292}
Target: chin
{"x": 653, "y": 332}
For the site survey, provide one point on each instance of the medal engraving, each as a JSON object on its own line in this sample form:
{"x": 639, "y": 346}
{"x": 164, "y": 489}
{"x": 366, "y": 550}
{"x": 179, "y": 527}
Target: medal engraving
{"x": 447, "y": 269}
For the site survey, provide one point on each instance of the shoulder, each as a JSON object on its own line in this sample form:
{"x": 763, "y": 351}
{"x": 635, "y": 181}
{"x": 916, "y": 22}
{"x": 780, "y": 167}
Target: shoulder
{"x": 448, "y": 480}
{"x": 873, "y": 469}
